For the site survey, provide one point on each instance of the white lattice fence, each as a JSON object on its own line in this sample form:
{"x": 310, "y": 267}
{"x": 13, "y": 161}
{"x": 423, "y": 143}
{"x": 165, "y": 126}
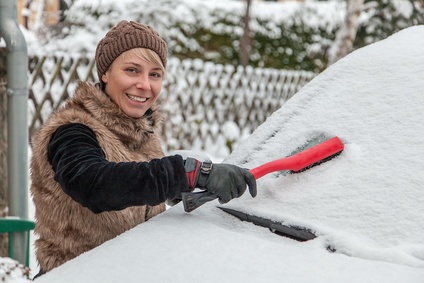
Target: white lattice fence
{"x": 203, "y": 102}
{"x": 52, "y": 80}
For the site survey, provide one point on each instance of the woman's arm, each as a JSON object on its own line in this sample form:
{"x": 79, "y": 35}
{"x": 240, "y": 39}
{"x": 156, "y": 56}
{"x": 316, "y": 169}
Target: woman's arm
{"x": 85, "y": 175}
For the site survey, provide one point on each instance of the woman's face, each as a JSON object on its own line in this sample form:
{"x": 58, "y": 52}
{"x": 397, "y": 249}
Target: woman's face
{"x": 133, "y": 83}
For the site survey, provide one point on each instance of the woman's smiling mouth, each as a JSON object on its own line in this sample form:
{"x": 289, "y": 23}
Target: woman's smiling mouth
{"x": 136, "y": 98}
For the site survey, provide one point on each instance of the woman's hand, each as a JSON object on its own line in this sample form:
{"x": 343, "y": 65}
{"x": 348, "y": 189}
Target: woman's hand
{"x": 225, "y": 180}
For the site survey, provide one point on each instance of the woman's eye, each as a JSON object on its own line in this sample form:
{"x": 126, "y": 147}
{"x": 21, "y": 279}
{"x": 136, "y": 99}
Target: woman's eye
{"x": 156, "y": 75}
{"x": 131, "y": 70}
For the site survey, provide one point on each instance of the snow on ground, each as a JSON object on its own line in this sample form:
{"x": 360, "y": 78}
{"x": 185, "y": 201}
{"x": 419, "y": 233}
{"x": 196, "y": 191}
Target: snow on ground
{"x": 367, "y": 203}
{"x": 12, "y": 271}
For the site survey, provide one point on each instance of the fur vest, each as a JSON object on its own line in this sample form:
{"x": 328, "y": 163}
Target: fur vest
{"x": 65, "y": 228}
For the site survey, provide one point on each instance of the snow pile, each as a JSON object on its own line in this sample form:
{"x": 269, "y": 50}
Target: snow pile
{"x": 12, "y": 271}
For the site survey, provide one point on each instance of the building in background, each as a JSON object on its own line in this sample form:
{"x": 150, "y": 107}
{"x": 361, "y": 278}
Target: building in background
{"x": 32, "y": 13}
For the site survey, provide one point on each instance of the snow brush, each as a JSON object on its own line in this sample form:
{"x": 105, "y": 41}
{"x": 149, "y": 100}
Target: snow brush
{"x": 295, "y": 163}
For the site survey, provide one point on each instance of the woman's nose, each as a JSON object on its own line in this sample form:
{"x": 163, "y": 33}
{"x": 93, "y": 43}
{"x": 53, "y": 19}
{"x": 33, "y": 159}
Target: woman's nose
{"x": 143, "y": 82}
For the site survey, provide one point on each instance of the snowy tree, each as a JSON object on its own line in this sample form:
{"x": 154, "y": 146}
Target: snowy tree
{"x": 296, "y": 36}
{"x": 382, "y": 18}
{"x": 345, "y": 36}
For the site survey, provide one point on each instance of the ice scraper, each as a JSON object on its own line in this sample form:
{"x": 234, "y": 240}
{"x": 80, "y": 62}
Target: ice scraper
{"x": 295, "y": 163}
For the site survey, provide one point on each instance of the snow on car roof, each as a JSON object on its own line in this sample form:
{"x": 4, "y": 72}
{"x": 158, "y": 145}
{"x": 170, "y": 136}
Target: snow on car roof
{"x": 368, "y": 201}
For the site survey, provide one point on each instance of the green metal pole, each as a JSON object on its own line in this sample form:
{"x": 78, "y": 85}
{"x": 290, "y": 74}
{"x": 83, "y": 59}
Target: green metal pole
{"x": 17, "y": 119}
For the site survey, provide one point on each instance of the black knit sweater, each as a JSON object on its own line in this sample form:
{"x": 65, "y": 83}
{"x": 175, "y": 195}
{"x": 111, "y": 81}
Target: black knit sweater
{"x": 84, "y": 174}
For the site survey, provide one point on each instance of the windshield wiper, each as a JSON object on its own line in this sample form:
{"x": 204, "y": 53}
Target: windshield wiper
{"x": 293, "y": 232}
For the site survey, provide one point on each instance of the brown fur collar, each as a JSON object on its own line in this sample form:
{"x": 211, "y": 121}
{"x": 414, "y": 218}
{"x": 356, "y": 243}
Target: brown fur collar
{"x": 131, "y": 131}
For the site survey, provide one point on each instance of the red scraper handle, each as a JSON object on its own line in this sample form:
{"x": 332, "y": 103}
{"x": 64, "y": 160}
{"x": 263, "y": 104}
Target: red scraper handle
{"x": 297, "y": 162}
{"x": 301, "y": 160}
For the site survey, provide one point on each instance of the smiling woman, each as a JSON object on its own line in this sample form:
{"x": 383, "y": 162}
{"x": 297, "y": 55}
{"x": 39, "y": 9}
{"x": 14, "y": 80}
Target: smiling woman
{"x": 97, "y": 166}
{"x": 134, "y": 81}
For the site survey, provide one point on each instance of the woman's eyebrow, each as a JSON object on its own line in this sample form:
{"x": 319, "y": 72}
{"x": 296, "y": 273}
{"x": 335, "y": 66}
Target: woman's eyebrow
{"x": 132, "y": 63}
{"x": 139, "y": 65}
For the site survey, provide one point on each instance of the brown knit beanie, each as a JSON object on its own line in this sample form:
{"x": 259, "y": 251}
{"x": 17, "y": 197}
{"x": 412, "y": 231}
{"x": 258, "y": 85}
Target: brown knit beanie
{"x": 123, "y": 37}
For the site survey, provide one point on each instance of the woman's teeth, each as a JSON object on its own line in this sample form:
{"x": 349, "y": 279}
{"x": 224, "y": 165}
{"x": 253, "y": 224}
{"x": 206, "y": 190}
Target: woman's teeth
{"x": 135, "y": 98}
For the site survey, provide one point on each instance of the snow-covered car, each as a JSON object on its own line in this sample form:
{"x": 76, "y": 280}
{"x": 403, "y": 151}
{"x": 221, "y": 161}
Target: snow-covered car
{"x": 364, "y": 209}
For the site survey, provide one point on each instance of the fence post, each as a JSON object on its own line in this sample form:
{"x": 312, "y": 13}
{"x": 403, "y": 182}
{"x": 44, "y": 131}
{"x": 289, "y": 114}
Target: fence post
{"x": 17, "y": 121}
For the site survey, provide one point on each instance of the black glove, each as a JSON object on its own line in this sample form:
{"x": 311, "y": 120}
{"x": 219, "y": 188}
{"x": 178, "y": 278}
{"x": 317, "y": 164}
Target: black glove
{"x": 225, "y": 180}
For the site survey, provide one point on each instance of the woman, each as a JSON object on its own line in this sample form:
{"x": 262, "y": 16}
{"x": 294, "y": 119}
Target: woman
{"x": 98, "y": 168}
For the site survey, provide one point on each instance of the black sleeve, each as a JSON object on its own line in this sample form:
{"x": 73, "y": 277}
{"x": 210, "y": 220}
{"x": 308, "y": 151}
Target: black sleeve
{"x": 84, "y": 174}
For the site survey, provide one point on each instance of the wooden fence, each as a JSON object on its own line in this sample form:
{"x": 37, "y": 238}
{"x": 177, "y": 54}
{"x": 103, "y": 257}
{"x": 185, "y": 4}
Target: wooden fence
{"x": 203, "y": 102}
